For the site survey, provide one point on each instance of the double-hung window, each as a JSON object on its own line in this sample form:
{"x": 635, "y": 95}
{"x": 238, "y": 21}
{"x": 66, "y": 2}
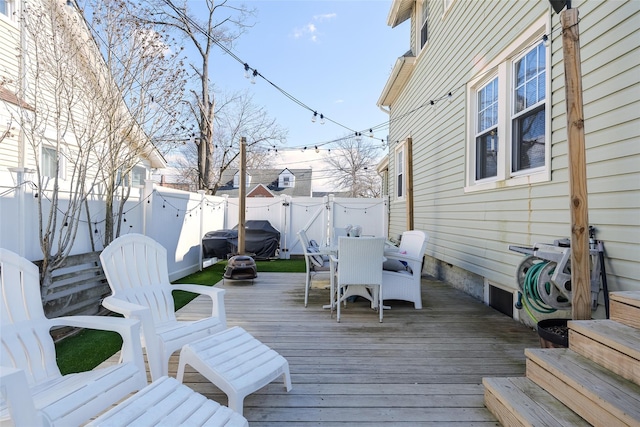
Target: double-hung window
{"x": 508, "y": 123}
{"x": 487, "y": 131}
{"x": 424, "y": 21}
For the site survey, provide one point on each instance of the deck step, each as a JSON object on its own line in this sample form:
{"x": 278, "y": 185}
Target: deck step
{"x": 593, "y": 392}
{"x": 608, "y": 343}
{"x": 625, "y": 307}
{"x": 521, "y": 402}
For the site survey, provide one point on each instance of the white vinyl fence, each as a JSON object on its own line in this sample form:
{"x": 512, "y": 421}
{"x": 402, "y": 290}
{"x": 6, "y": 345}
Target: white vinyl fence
{"x": 178, "y": 220}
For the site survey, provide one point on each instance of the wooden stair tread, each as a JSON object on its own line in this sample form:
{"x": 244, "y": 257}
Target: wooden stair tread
{"x": 521, "y": 402}
{"x": 625, "y": 307}
{"x": 627, "y": 297}
{"x": 622, "y": 338}
{"x": 593, "y": 392}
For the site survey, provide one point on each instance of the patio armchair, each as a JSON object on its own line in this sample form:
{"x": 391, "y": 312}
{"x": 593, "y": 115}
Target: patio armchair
{"x": 28, "y": 358}
{"x": 403, "y": 269}
{"x": 315, "y": 262}
{"x": 136, "y": 268}
{"x": 359, "y": 270}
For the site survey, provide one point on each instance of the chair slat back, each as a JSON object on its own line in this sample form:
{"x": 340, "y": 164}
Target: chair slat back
{"x": 136, "y": 268}
{"x": 360, "y": 260}
{"x": 26, "y": 342}
{"x": 413, "y": 243}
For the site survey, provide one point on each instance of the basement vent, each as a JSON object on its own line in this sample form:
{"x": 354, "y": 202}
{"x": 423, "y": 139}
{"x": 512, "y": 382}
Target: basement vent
{"x": 501, "y": 300}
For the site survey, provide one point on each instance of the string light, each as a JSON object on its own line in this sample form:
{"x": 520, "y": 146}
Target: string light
{"x": 247, "y": 71}
{"x": 253, "y": 77}
{"x": 313, "y": 118}
{"x": 321, "y": 119}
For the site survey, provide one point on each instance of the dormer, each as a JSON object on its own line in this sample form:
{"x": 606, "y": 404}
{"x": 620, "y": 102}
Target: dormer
{"x": 286, "y": 179}
{"x": 236, "y": 180}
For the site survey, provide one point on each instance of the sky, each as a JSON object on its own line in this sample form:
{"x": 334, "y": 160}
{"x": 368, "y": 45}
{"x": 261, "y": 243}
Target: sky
{"x": 333, "y": 56}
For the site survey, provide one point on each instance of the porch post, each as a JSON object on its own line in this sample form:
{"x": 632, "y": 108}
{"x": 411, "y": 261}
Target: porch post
{"x": 580, "y": 268}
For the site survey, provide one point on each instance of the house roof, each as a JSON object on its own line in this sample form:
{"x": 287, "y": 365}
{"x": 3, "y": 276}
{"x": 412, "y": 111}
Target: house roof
{"x": 269, "y": 179}
{"x": 8, "y": 96}
{"x": 399, "y": 77}
{"x": 400, "y": 12}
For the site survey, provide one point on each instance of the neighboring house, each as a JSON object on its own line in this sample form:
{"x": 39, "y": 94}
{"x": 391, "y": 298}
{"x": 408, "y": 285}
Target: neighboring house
{"x": 478, "y": 142}
{"x": 54, "y": 90}
{"x": 29, "y": 98}
{"x": 267, "y": 183}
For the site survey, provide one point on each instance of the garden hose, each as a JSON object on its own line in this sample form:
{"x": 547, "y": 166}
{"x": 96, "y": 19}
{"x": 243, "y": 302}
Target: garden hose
{"x": 531, "y": 297}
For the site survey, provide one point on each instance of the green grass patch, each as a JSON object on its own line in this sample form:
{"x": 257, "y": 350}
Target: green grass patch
{"x": 89, "y": 348}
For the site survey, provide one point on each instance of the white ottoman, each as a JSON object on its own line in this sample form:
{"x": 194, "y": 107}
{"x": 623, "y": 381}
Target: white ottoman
{"x": 236, "y": 362}
{"x": 166, "y": 402}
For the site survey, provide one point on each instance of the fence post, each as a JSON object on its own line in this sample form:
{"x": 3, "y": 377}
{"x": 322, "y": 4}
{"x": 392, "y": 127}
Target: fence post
{"x": 147, "y": 208}
{"x": 201, "y": 193}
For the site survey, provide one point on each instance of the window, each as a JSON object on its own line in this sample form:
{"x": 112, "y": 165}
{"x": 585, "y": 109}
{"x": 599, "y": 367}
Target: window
{"x": 529, "y": 95}
{"x": 508, "y": 117}
{"x": 7, "y": 8}
{"x": 286, "y": 180}
{"x": 48, "y": 162}
{"x": 424, "y": 15}
{"x": 487, "y": 132}
{"x": 400, "y": 172}
{"x": 138, "y": 176}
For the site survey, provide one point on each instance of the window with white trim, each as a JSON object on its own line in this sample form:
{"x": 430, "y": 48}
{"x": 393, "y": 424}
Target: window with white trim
{"x": 49, "y": 158}
{"x": 508, "y": 116}
{"x": 400, "y": 175}
{"x": 236, "y": 180}
{"x": 7, "y": 7}
{"x": 138, "y": 176}
{"x": 423, "y": 29}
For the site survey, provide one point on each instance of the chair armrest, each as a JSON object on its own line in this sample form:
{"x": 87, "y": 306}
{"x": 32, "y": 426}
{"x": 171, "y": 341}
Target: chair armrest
{"x": 129, "y": 330}
{"x": 402, "y": 257}
{"x": 216, "y": 295}
{"x": 14, "y": 390}
{"x": 333, "y": 258}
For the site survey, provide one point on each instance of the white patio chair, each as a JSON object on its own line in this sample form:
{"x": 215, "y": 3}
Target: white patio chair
{"x": 136, "y": 268}
{"x": 359, "y": 270}
{"x": 315, "y": 262}
{"x": 28, "y": 357}
{"x": 403, "y": 269}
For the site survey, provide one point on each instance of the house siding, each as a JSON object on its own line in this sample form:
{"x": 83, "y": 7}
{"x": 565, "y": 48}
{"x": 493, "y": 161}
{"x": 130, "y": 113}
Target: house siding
{"x": 471, "y": 231}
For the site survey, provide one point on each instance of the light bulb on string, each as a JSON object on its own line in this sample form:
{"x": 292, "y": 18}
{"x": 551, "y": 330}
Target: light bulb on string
{"x": 247, "y": 72}
{"x": 317, "y": 149}
{"x": 546, "y": 40}
{"x": 370, "y": 133}
{"x": 450, "y": 97}
{"x": 313, "y": 118}
{"x": 253, "y": 77}
{"x": 321, "y": 119}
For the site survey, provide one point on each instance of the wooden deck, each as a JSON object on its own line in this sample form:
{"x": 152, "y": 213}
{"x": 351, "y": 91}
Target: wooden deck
{"x": 417, "y": 368}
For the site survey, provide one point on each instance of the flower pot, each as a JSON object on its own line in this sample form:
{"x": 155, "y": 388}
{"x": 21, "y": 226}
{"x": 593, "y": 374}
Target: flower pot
{"x": 553, "y": 333}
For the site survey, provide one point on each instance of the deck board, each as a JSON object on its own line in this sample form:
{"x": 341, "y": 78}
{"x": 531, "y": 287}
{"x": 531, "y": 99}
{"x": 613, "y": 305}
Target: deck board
{"x": 417, "y": 368}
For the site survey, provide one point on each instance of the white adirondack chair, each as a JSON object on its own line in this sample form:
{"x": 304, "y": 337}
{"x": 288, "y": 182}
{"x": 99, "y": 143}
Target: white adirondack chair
{"x": 28, "y": 358}
{"x": 403, "y": 282}
{"x": 136, "y": 269}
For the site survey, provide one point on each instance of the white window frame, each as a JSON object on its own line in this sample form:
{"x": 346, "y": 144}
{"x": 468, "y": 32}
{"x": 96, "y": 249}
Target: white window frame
{"x": 400, "y": 167}
{"x": 10, "y": 10}
{"x": 502, "y": 67}
{"x": 236, "y": 180}
{"x": 422, "y": 23}
{"x": 446, "y": 5}
{"x": 49, "y": 157}
{"x": 138, "y": 171}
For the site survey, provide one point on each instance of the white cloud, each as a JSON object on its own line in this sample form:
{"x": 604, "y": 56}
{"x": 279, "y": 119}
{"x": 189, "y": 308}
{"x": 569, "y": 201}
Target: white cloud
{"x": 310, "y": 30}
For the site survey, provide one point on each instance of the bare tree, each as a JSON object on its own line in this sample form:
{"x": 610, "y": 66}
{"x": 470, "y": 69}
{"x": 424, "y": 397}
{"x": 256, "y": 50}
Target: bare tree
{"x": 221, "y": 23}
{"x": 146, "y": 65}
{"x": 236, "y": 116}
{"x": 353, "y": 167}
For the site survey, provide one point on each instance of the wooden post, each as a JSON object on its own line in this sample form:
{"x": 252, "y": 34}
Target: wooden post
{"x": 242, "y": 194}
{"x": 580, "y": 260}
{"x": 409, "y": 197}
